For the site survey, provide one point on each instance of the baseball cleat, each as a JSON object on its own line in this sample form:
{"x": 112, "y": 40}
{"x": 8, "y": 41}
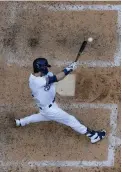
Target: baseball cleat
{"x": 18, "y": 123}
{"x": 95, "y": 136}
{"x": 99, "y": 135}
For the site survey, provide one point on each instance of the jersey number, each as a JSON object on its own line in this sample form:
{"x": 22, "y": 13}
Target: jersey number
{"x": 47, "y": 87}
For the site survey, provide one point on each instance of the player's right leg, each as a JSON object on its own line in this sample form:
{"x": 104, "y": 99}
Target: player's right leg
{"x": 30, "y": 119}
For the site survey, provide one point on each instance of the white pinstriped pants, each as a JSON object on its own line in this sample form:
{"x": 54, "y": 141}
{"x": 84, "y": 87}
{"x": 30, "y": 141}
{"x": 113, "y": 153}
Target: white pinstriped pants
{"x": 55, "y": 113}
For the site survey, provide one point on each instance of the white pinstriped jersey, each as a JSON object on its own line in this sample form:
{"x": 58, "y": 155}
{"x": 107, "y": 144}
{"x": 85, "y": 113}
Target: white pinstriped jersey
{"x": 43, "y": 94}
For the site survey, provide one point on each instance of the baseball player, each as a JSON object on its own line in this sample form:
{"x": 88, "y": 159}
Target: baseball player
{"x": 42, "y": 85}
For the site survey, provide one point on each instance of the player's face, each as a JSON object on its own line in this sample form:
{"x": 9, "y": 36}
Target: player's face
{"x": 44, "y": 70}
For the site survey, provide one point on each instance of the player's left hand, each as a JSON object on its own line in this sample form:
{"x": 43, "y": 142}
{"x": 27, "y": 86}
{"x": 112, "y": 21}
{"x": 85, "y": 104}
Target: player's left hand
{"x": 72, "y": 66}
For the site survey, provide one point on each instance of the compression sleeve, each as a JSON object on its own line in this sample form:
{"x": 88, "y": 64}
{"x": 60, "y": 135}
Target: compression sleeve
{"x": 51, "y": 79}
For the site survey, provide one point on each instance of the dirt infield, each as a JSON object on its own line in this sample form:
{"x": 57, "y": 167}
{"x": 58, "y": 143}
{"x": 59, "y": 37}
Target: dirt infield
{"x": 31, "y": 29}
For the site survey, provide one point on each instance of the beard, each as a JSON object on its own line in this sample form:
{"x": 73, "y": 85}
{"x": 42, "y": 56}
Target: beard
{"x": 44, "y": 71}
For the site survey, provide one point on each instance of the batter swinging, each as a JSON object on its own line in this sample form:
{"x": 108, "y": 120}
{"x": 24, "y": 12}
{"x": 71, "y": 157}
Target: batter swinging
{"x": 42, "y": 85}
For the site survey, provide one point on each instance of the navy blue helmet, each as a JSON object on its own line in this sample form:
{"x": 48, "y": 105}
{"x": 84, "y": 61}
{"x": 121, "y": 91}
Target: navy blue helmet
{"x": 40, "y": 65}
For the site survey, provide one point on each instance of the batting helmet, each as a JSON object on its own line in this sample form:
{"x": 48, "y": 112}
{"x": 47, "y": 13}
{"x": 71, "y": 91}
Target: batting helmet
{"x": 40, "y": 65}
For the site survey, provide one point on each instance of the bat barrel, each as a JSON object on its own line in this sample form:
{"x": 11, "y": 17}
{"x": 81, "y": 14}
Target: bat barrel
{"x": 81, "y": 50}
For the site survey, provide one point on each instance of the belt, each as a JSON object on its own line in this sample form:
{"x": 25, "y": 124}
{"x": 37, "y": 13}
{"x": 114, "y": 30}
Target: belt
{"x": 49, "y": 105}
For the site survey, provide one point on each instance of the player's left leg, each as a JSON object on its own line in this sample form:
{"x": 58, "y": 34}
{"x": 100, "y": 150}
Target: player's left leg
{"x": 57, "y": 114}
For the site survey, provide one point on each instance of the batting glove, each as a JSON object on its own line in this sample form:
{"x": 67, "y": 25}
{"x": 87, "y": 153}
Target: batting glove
{"x": 70, "y": 68}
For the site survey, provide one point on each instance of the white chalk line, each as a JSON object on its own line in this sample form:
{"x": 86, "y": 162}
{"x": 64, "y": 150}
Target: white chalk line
{"x": 87, "y": 63}
{"x": 90, "y": 63}
{"x": 64, "y": 106}
{"x": 90, "y": 105}
{"x": 59, "y": 63}
{"x": 111, "y": 148}
{"x": 112, "y": 139}
{"x": 55, "y": 163}
{"x": 64, "y": 7}
{"x": 117, "y": 55}
{"x": 97, "y": 63}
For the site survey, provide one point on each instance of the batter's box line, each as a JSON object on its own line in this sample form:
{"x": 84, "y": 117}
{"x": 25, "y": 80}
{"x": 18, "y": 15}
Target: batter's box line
{"x": 87, "y": 63}
{"x": 93, "y": 63}
{"x": 111, "y": 148}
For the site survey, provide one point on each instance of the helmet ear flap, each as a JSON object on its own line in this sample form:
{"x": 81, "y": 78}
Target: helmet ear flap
{"x": 36, "y": 67}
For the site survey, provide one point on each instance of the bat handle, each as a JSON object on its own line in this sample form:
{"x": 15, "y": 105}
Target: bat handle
{"x": 77, "y": 57}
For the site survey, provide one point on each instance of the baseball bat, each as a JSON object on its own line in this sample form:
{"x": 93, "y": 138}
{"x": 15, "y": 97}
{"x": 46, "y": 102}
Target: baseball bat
{"x": 81, "y": 50}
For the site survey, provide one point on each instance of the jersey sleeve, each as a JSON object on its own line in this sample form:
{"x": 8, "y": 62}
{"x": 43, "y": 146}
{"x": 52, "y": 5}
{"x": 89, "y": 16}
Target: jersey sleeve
{"x": 41, "y": 81}
{"x": 50, "y": 74}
